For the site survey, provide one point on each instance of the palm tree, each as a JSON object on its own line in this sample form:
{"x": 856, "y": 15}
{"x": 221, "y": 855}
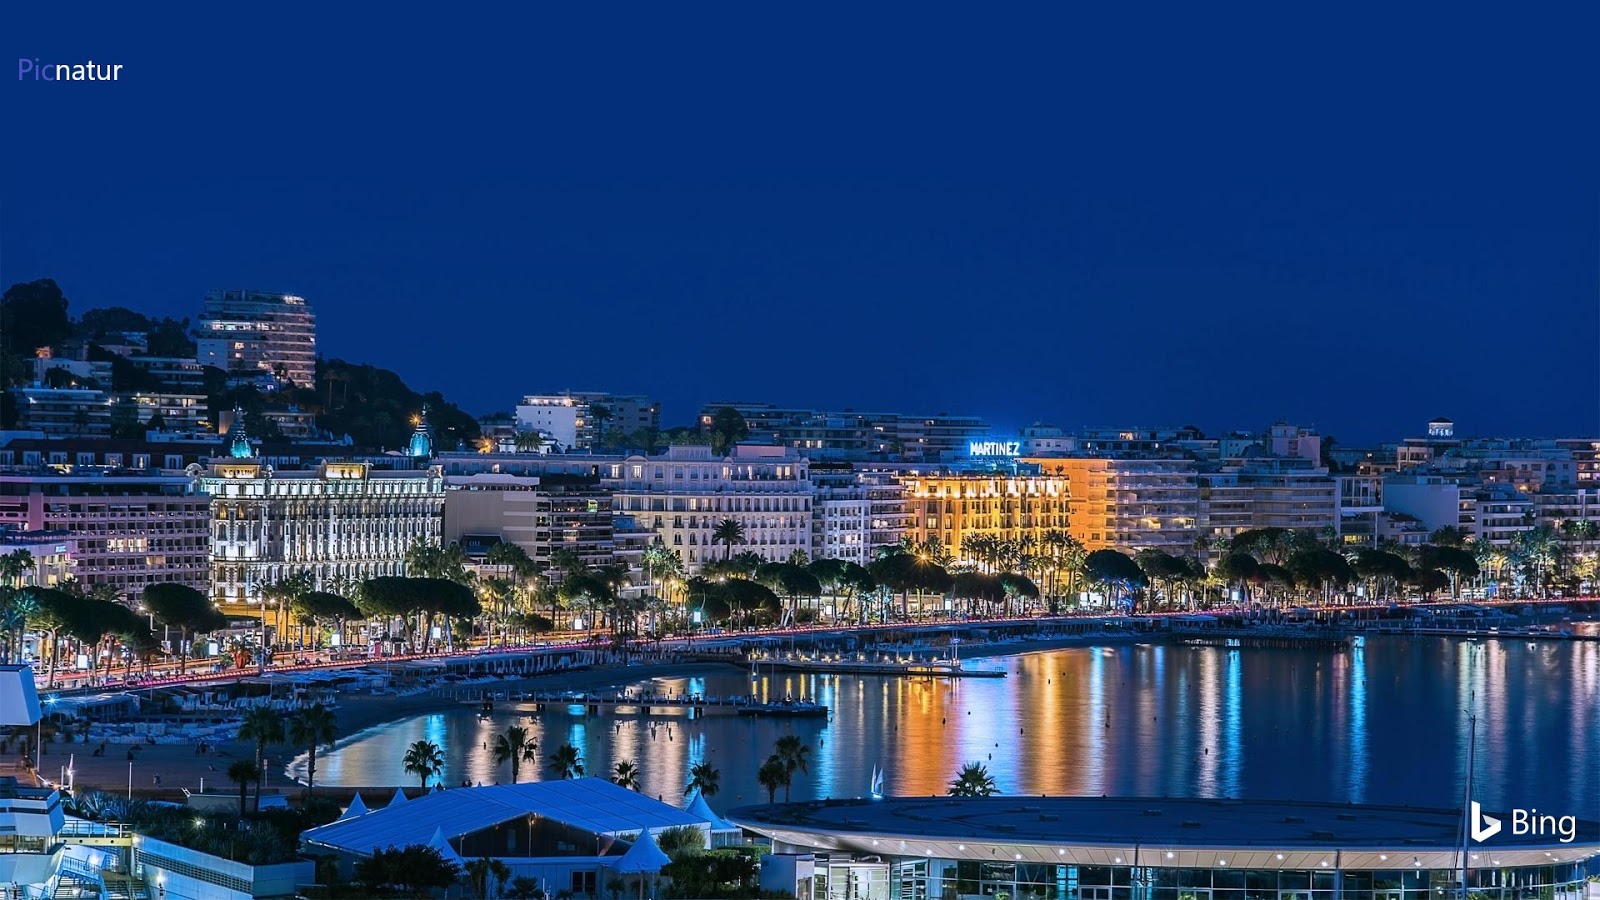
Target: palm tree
{"x": 626, "y": 775}
{"x": 705, "y": 778}
{"x": 569, "y": 562}
{"x": 515, "y": 746}
{"x": 311, "y": 728}
{"x": 242, "y": 772}
{"x": 973, "y": 780}
{"x": 772, "y": 775}
{"x": 565, "y": 762}
{"x": 793, "y": 754}
{"x": 728, "y": 532}
{"x": 424, "y": 759}
{"x": 264, "y": 725}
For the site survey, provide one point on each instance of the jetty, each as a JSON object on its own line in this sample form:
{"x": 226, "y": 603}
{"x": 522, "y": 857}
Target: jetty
{"x": 1254, "y": 639}
{"x": 911, "y": 669}
{"x": 693, "y": 706}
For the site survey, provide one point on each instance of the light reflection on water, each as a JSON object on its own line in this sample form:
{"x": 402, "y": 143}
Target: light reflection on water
{"x": 1382, "y": 723}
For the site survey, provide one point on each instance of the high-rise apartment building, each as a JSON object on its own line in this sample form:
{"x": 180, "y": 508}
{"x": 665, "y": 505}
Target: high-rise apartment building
{"x": 683, "y": 494}
{"x": 342, "y": 522}
{"x": 1271, "y": 492}
{"x": 1131, "y": 503}
{"x": 257, "y": 331}
{"x": 130, "y": 529}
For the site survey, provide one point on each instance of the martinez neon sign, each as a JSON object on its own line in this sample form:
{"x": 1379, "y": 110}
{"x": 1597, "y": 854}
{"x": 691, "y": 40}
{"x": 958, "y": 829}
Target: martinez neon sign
{"x": 994, "y": 448}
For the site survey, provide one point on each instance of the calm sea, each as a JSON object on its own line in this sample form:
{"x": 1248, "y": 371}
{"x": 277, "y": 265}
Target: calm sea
{"x": 1385, "y": 722}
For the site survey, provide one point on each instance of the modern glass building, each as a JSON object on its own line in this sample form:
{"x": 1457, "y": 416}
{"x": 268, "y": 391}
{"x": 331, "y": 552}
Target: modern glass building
{"x": 1095, "y": 848}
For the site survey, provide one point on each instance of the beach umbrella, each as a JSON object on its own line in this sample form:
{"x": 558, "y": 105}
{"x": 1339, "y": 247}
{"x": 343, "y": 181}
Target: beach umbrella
{"x": 356, "y": 808}
{"x": 399, "y": 798}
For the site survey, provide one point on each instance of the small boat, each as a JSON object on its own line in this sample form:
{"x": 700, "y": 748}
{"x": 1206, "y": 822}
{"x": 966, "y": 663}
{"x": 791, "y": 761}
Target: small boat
{"x": 785, "y": 708}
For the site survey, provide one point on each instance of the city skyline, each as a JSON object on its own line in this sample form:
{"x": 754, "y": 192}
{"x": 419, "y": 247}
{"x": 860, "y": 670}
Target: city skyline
{"x": 1072, "y": 253}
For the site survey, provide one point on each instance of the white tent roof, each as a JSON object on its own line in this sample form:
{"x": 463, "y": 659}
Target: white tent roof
{"x": 399, "y": 798}
{"x": 356, "y": 808}
{"x": 700, "y": 809}
{"x": 592, "y": 804}
{"x": 643, "y": 856}
{"x": 443, "y": 846}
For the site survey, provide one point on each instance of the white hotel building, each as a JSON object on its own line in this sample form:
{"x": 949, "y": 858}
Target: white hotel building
{"x": 682, "y": 495}
{"x": 339, "y": 521}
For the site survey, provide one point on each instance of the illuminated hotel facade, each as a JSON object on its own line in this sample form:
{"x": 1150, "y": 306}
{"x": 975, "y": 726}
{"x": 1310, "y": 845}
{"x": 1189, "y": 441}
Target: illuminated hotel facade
{"x": 341, "y": 522}
{"x": 953, "y": 508}
{"x": 683, "y": 494}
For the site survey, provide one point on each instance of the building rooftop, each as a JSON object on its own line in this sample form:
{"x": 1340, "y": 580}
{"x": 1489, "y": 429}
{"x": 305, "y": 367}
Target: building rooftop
{"x": 593, "y": 804}
{"x": 1175, "y": 832}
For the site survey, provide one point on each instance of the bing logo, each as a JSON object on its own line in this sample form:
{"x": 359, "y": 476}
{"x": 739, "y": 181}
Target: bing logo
{"x": 1523, "y": 822}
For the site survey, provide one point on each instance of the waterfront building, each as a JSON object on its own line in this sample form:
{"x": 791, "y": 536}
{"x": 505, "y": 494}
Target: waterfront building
{"x": 1560, "y": 507}
{"x": 1131, "y": 503}
{"x": 1105, "y": 848}
{"x": 954, "y": 508}
{"x": 249, "y": 332}
{"x": 1495, "y": 514}
{"x": 567, "y": 834}
{"x": 1360, "y": 506}
{"x": 341, "y": 521}
{"x": 540, "y": 514}
{"x": 684, "y": 493}
{"x": 130, "y": 529}
{"x": 856, "y": 514}
{"x": 51, "y": 553}
{"x": 1274, "y": 492}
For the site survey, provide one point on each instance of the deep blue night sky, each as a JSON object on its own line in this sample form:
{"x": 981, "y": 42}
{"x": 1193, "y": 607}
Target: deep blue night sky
{"x": 1350, "y": 219}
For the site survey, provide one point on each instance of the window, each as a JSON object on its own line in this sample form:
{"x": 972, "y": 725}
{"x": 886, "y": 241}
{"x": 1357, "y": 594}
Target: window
{"x": 584, "y": 883}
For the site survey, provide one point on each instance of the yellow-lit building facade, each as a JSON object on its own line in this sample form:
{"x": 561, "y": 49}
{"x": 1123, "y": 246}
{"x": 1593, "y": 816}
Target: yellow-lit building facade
{"x": 954, "y": 508}
{"x": 1130, "y": 504}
